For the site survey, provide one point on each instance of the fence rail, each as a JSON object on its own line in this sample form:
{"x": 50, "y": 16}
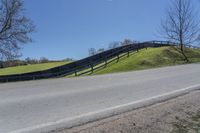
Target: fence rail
{"x": 87, "y": 63}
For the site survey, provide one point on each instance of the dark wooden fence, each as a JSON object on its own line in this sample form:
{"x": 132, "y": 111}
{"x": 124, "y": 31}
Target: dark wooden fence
{"x": 86, "y": 64}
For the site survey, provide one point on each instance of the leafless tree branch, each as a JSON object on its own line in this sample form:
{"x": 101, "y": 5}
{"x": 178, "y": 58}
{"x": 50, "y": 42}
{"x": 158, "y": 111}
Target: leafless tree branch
{"x": 15, "y": 28}
{"x": 181, "y": 24}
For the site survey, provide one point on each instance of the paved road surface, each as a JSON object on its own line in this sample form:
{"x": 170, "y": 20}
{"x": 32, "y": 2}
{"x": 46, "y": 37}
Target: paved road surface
{"x": 26, "y": 105}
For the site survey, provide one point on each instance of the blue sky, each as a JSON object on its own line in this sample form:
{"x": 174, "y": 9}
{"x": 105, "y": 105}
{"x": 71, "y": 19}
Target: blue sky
{"x": 68, "y": 28}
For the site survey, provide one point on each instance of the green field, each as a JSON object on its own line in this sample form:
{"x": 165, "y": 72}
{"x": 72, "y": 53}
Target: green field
{"x": 30, "y": 68}
{"x": 151, "y": 58}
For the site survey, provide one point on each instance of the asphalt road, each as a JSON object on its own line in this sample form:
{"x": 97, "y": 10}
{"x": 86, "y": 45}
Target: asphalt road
{"x": 28, "y": 105}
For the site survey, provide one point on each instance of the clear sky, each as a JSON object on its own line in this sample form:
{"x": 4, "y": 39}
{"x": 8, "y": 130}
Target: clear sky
{"x": 68, "y": 28}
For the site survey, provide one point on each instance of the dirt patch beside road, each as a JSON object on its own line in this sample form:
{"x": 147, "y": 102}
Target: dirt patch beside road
{"x": 178, "y": 115}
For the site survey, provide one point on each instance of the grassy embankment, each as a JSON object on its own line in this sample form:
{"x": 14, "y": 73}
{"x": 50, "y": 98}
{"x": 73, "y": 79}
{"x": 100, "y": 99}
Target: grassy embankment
{"x": 30, "y": 68}
{"x": 151, "y": 58}
{"x": 144, "y": 59}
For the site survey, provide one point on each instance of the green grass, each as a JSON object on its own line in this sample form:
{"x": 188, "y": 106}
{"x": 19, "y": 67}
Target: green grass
{"x": 30, "y": 68}
{"x": 151, "y": 58}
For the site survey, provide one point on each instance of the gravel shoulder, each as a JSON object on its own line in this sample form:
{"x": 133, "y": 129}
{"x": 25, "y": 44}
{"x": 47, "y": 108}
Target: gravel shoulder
{"x": 178, "y": 115}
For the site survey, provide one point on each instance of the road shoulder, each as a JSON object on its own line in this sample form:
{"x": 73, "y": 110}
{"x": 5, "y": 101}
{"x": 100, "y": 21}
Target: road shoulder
{"x": 165, "y": 117}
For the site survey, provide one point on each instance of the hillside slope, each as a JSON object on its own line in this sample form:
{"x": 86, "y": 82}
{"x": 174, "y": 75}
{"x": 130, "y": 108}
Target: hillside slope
{"x": 151, "y": 58}
{"x": 30, "y": 68}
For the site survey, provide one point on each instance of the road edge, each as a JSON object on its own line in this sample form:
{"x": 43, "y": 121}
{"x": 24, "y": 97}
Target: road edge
{"x": 102, "y": 114}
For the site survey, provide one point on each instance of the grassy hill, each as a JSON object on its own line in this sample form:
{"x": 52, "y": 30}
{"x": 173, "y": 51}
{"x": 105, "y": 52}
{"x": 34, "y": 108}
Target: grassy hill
{"x": 151, "y": 58}
{"x": 144, "y": 59}
{"x": 30, "y": 68}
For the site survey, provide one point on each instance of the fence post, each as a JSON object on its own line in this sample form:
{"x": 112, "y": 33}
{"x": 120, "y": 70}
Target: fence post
{"x": 128, "y": 53}
{"x": 105, "y": 63}
{"x": 75, "y": 73}
{"x": 92, "y": 69}
{"x": 117, "y": 58}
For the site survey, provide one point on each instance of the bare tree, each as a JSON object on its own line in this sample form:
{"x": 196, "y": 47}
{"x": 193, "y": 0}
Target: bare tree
{"x": 126, "y": 42}
{"x": 198, "y": 39}
{"x": 92, "y": 51}
{"x": 100, "y": 50}
{"x": 44, "y": 60}
{"x": 113, "y": 44}
{"x": 15, "y": 28}
{"x": 181, "y": 25}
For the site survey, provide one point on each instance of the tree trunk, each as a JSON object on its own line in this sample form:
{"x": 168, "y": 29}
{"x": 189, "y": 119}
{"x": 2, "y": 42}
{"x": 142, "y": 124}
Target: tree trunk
{"x": 183, "y": 53}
